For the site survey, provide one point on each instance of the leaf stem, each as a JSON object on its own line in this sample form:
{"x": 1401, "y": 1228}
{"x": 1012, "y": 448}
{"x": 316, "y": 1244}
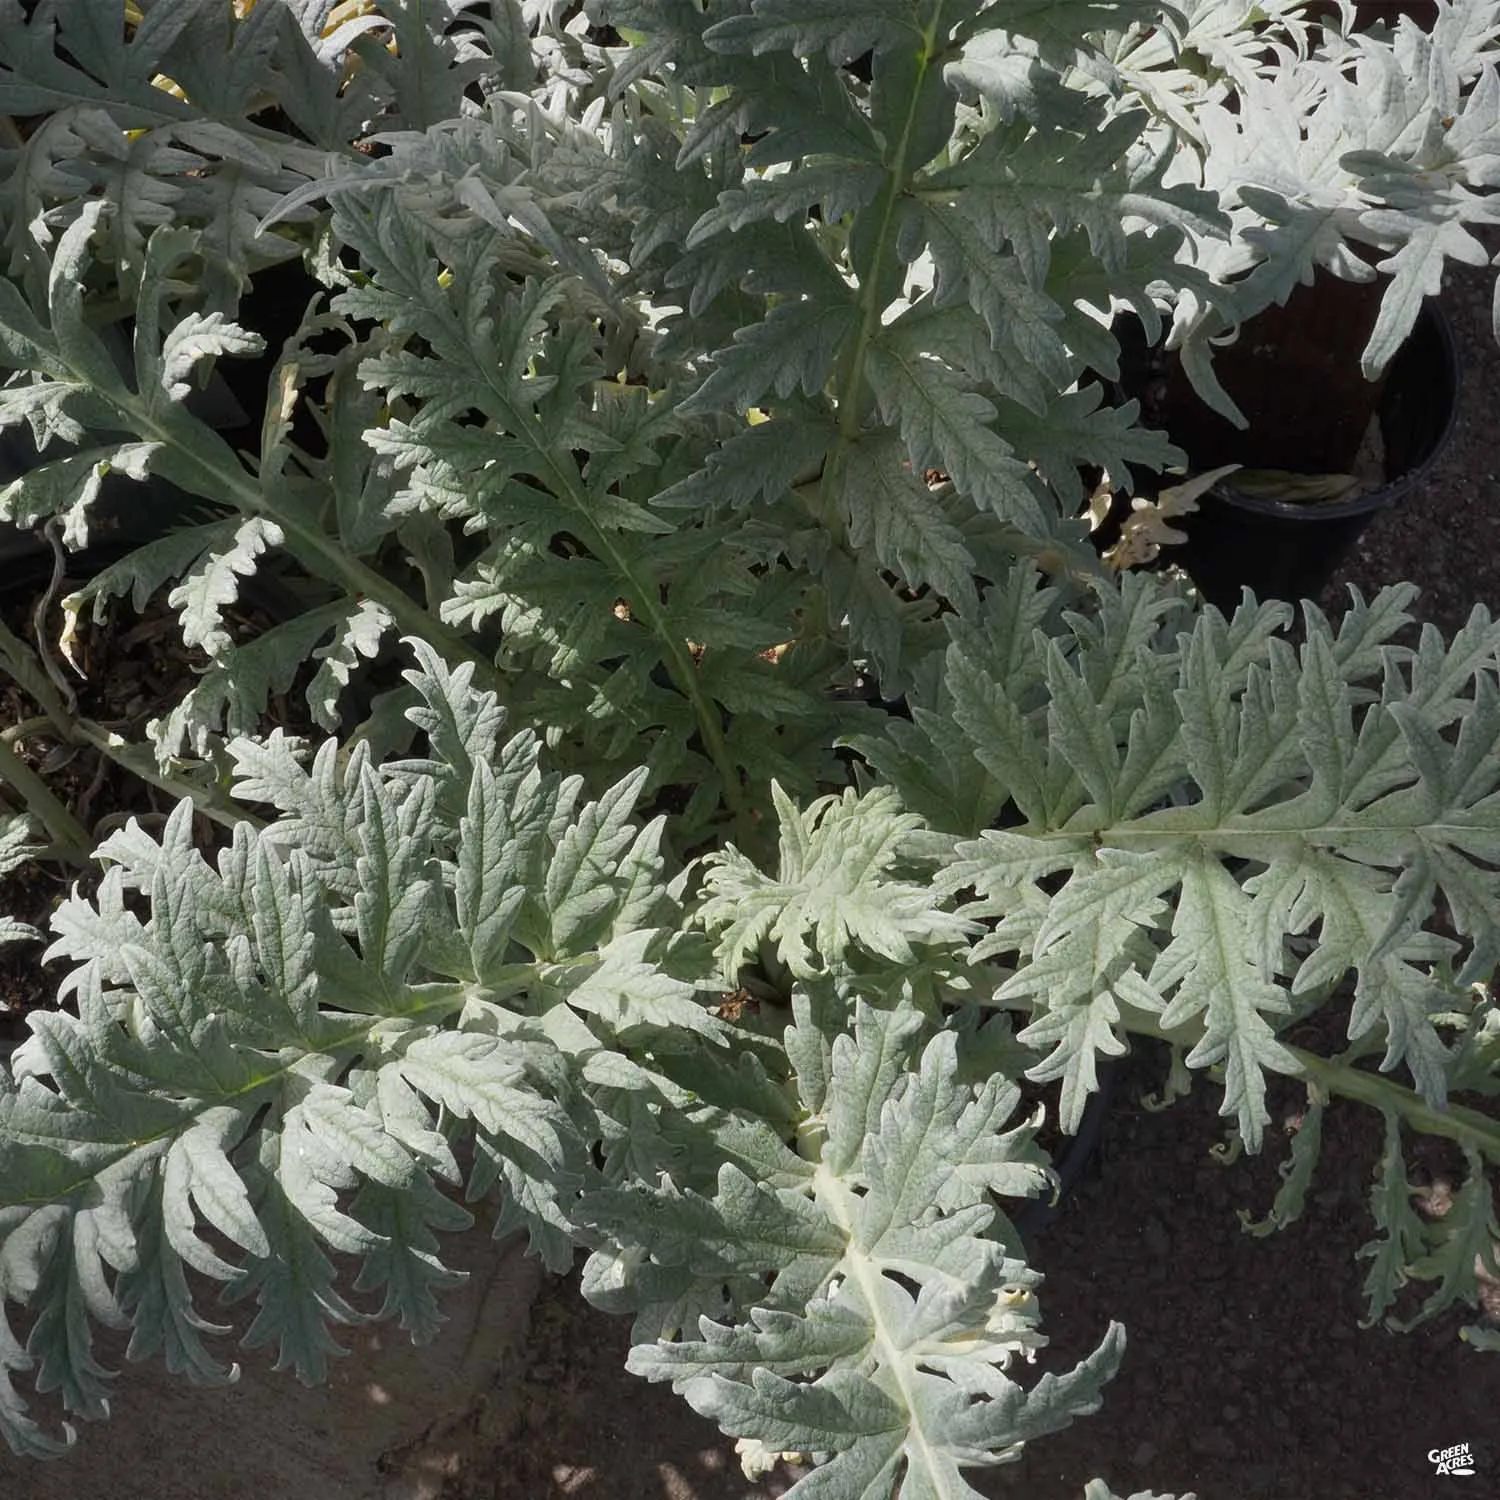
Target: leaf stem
{"x": 1454, "y": 1122}
{"x": 19, "y": 662}
{"x": 873, "y": 288}
{"x": 142, "y": 763}
{"x": 322, "y": 556}
{"x": 228, "y": 482}
{"x": 645, "y": 605}
{"x": 645, "y": 602}
{"x": 834, "y": 1195}
{"x": 1457, "y": 1122}
{"x": 67, "y": 833}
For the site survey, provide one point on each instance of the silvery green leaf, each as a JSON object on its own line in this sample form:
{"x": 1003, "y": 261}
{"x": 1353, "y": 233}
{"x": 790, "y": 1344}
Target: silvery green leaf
{"x": 760, "y": 463}
{"x": 999, "y": 735}
{"x": 580, "y": 895}
{"x": 1087, "y": 177}
{"x": 71, "y": 1278}
{"x": 1400, "y": 1238}
{"x": 214, "y": 582}
{"x": 462, "y": 724}
{"x": 1076, "y": 429}
{"x": 124, "y": 70}
{"x": 818, "y": 1374}
{"x": 793, "y": 349}
{"x": 12, "y": 931}
{"x": 889, "y": 505}
{"x": 231, "y": 697}
{"x": 1015, "y": 315}
{"x": 1296, "y": 1172}
{"x": 143, "y": 571}
{"x": 68, "y": 487}
{"x": 1416, "y": 271}
{"x": 1461, "y": 1246}
{"x": 834, "y": 893}
{"x": 197, "y": 337}
{"x": 155, "y": 1294}
{"x": 404, "y": 1260}
{"x": 1152, "y": 765}
{"x": 358, "y": 636}
{"x": 1220, "y": 981}
{"x": 16, "y": 847}
{"x": 629, "y": 992}
{"x": 197, "y": 1175}
{"x": 294, "y": 1284}
{"x": 839, "y": 187}
{"x": 841, "y": 28}
{"x": 81, "y": 351}
{"x": 488, "y": 890}
{"x": 356, "y": 1136}
{"x": 396, "y": 896}
{"x": 477, "y": 1076}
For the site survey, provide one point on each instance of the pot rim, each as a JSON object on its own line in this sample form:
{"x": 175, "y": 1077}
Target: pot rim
{"x": 1437, "y": 320}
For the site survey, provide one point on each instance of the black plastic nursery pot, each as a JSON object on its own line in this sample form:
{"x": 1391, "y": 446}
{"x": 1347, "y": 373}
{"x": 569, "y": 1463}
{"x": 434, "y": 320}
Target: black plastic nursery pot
{"x": 1282, "y": 550}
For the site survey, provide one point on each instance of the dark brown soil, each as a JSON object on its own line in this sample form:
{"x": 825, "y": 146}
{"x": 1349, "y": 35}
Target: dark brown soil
{"x": 1246, "y": 1373}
